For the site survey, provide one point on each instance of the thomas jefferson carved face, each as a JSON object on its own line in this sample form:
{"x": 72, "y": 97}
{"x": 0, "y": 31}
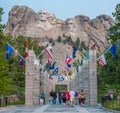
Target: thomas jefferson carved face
{"x": 52, "y": 19}
{"x": 43, "y": 15}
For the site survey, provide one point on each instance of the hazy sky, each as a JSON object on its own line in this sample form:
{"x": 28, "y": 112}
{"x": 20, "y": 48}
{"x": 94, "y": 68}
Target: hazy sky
{"x": 64, "y": 9}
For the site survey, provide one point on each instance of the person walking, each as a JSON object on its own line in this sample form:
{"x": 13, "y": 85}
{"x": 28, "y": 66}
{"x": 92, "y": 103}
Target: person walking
{"x": 54, "y": 97}
{"x": 63, "y": 94}
{"x": 72, "y": 97}
{"x": 76, "y": 97}
{"x": 42, "y": 97}
{"x": 59, "y": 97}
{"x": 68, "y": 97}
{"x": 51, "y": 96}
{"x": 82, "y": 97}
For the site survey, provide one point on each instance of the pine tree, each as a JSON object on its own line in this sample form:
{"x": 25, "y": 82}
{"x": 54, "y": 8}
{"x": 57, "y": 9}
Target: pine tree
{"x": 114, "y": 32}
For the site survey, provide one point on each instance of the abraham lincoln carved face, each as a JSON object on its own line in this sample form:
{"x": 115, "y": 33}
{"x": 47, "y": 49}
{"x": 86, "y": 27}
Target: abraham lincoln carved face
{"x": 70, "y": 25}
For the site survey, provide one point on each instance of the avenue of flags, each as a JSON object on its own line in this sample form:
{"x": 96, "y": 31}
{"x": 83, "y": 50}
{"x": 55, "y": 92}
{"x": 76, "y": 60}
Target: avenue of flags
{"x": 53, "y": 69}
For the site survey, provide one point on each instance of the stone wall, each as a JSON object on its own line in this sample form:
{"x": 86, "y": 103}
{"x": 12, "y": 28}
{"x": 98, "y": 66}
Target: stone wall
{"x": 86, "y": 79}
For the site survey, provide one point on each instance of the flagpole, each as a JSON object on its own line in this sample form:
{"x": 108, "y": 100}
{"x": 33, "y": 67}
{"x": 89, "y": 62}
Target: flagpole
{"x": 42, "y": 52}
{"x": 16, "y": 51}
{"x": 82, "y": 54}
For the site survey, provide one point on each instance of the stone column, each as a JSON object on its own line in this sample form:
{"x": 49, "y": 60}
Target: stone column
{"x": 36, "y": 86}
{"x": 31, "y": 81}
{"x": 29, "y": 77}
{"x": 83, "y": 77}
{"x": 93, "y": 78}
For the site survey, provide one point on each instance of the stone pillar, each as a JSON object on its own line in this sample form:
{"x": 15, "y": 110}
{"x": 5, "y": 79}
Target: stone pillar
{"x": 36, "y": 87}
{"x": 83, "y": 77}
{"x": 29, "y": 72}
{"x": 85, "y": 74}
{"x": 93, "y": 78}
{"x": 31, "y": 81}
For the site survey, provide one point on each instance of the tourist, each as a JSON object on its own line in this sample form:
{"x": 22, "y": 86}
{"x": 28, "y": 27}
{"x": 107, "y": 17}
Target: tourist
{"x": 51, "y": 96}
{"x": 68, "y": 97}
{"x": 82, "y": 97}
{"x": 42, "y": 97}
{"x": 63, "y": 94}
{"x": 54, "y": 97}
{"x": 72, "y": 97}
{"x": 76, "y": 97}
{"x": 59, "y": 97}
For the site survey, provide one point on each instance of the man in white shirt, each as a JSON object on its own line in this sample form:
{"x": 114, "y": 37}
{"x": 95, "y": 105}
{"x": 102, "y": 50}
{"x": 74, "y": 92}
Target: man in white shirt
{"x": 72, "y": 96}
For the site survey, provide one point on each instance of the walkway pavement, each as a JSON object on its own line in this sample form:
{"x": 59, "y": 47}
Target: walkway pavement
{"x": 54, "y": 108}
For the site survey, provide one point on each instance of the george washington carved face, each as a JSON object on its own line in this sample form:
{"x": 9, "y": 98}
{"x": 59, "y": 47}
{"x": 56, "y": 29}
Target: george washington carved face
{"x": 43, "y": 15}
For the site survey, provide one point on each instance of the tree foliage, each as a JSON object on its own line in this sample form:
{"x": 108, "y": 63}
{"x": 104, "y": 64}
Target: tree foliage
{"x": 12, "y": 75}
{"x": 109, "y": 75}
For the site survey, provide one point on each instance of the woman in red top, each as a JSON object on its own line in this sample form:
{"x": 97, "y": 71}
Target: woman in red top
{"x": 68, "y": 97}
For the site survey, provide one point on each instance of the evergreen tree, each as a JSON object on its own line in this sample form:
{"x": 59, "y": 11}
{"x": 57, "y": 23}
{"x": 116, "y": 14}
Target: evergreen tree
{"x": 115, "y": 30}
{"x": 5, "y": 80}
{"x": 109, "y": 77}
{"x": 1, "y": 25}
{"x": 59, "y": 39}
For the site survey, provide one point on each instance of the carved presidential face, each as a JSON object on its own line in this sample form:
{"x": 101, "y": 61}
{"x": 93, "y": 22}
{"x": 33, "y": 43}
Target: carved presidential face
{"x": 43, "y": 15}
{"x": 59, "y": 23}
{"x": 52, "y": 19}
{"x": 70, "y": 24}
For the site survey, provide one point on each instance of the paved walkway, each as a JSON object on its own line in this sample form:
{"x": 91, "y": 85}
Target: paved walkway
{"x": 54, "y": 108}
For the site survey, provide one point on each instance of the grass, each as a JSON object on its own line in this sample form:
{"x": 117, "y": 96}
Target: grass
{"x": 112, "y": 104}
{"x": 20, "y": 102}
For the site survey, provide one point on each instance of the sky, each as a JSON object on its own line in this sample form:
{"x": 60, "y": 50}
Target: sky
{"x": 63, "y": 9}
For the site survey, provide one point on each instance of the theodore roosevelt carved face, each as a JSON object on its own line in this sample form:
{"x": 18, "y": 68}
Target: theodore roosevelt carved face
{"x": 59, "y": 23}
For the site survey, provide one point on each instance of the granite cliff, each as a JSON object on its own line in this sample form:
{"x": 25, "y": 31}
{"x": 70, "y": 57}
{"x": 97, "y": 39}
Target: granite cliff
{"x": 43, "y": 26}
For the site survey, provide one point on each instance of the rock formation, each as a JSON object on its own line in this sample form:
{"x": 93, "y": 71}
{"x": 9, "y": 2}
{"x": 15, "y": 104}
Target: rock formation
{"x": 25, "y": 21}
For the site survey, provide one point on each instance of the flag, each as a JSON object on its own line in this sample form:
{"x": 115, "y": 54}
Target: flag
{"x": 50, "y": 77}
{"x": 68, "y": 59}
{"x": 10, "y": 50}
{"x": 56, "y": 71}
{"x": 36, "y": 62}
{"x": 26, "y": 49}
{"x": 52, "y": 67}
{"x": 113, "y": 51}
{"x": 71, "y": 74}
{"x": 68, "y": 65}
{"x": 21, "y": 61}
{"x": 48, "y": 51}
{"x": 58, "y": 78}
{"x": 74, "y": 51}
{"x": 42, "y": 69}
{"x": 62, "y": 79}
{"x": 95, "y": 46}
{"x": 87, "y": 55}
{"x": 102, "y": 60}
